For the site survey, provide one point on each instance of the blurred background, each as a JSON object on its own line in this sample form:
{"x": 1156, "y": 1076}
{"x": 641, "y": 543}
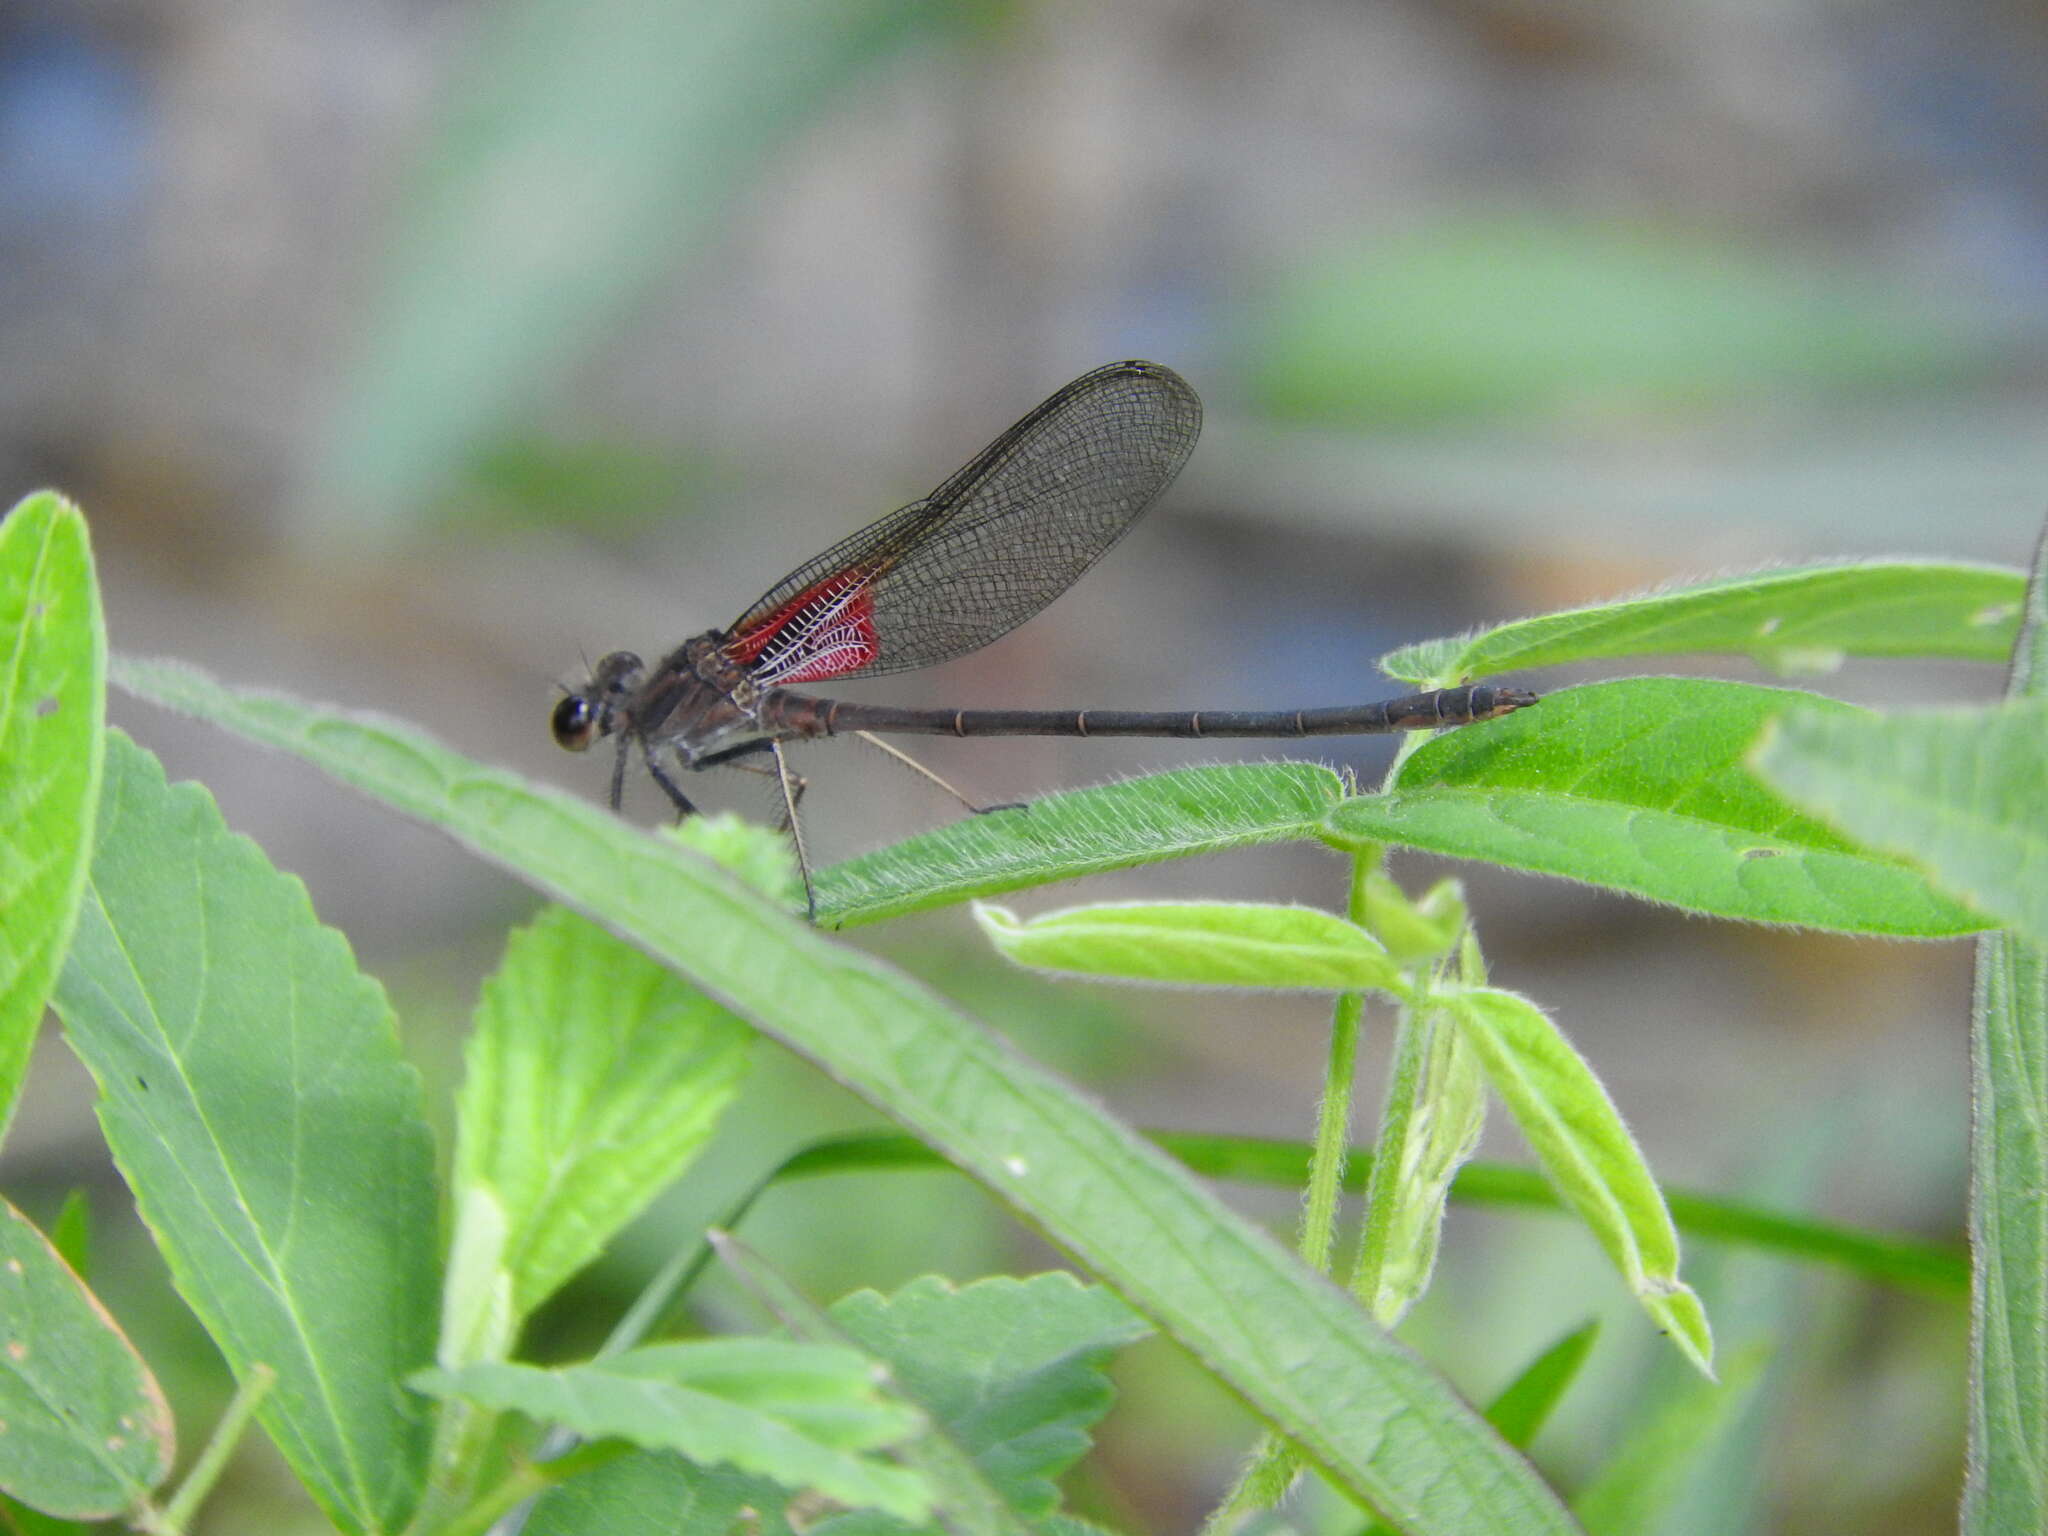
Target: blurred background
{"x": 406, "y": 353}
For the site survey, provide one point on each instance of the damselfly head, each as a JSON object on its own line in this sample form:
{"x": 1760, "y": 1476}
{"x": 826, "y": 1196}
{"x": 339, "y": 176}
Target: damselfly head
{"x": 585, "y": 714}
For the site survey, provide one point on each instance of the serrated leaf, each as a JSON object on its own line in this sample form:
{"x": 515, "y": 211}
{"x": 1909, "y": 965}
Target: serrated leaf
{"x": 594, "y": 1076}
{"x": 1641, "y": 786}
{"x": 1801, "y": 619}
{"x": 1196, "y": 943}
{"x": 971, "y": 1505}
{"x": 807, "y": 1416}
{"x": 1961, "y": 793}
{"x": 1376, "y": 1418}
{"x": 658, "y": 1493}
{"x": 1578, "y": 1136}
{"x": 1081, "y": 832}
{"x": 88, "y": 1432}
{"x": 1009, "y": 1369}
{"x": 255, "y": 1099}
{"x": 53, "y": 695}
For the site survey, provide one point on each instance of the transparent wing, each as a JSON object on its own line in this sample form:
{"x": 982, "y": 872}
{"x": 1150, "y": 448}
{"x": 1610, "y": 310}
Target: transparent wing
{"x": 989, "y": 548}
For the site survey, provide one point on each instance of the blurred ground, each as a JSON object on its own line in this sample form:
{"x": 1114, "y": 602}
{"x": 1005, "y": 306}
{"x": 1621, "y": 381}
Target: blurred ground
{"x": 403, "y": 354}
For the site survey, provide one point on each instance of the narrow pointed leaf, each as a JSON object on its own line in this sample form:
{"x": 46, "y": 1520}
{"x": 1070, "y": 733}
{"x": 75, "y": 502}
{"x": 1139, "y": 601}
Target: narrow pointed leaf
{"x": 1196, "y": 943}
{"x": 1642, "y": 786}
{"x": 88, "y": 1432}
{"x": 1081, "y": 832}
{"x": 1578, "y": 1136}
{"x": 1646, "y": 1472}
{"x": 1379, "y": 1420}
{"x": 808, "y": 1416}
{"x": 1963, "y": 794}
{"x": 53, "y": 684}
{"x": 1802, "y": 619}
{"x": 594, "y": 1077}
{"x": 254, "y": 1097}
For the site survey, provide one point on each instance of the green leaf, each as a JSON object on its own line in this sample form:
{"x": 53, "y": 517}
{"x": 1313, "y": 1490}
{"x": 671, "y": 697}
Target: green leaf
{"x": 1640, "y": 786}
{"x": 658, "y": 1493}
{"x": 1525, "y": 1404}
{"x": 1577, "y": 1134}
{"x": 53, "y": 694}
{"x": 1082, "y": 832}
{"x": 1962, "y": 793}
{"x": 1647, "y": 1471}
{"x": 1196, "y": 943}
{"x": 88, "y": 1432}
{"x": 1380, "y": 1421}
{"x": 254, "y": 1097}
{"x": 1010, "y": 1370}
{"x": 491, "y": 291}
{"x": 805, "y": 1415}
{"x": 1801, "y": 619}
{"x": 594, "y": 1077}
{"x": 2006, "y": 1483}
{"x": 959, "y": 1487}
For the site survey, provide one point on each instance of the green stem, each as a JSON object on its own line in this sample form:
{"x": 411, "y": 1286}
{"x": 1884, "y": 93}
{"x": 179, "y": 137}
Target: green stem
{"x": 1273, "y": 1463}
{"x": 227, "y": 1434}
{"x": 1333, "y": 1119}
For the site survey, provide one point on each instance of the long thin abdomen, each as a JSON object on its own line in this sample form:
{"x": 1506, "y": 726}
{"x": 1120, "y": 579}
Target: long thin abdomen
{"x": 1414, "y": 712}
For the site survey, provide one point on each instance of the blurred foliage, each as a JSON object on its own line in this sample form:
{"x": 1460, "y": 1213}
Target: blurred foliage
{"x": 1525, "y": 314}
{"x": 585, "y": 151}
{"x": 523, "y": 481}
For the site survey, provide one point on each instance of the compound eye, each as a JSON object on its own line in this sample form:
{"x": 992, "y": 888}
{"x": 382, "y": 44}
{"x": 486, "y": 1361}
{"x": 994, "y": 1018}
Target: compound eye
{"x": 574, "y": 723}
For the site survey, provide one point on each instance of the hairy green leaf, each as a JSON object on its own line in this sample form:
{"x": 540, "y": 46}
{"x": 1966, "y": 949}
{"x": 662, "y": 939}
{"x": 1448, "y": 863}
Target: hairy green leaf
{"x": 1196, "y": 943}
{"x": 1802, "y": 619}
{"x": 1578, "y": 1136}
{"x": 1641, "y": 786}
{"x": 53, "y": 687}
{"x": 1081, "y": 832}
{"x": 1963, "y": 794}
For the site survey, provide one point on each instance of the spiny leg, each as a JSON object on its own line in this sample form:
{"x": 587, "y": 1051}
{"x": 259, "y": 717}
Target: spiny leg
{"x": 681, "y": 801}
{"x": 790, "y": 796}
{"x": 619, "y": 770}
{"x": 915, "y": 766}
